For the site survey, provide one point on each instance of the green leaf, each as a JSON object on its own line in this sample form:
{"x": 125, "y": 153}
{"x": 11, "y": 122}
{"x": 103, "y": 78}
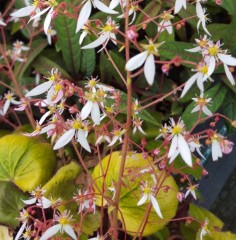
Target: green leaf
{"x": 88, "y": 59}
{"x": 151, "y": 9}
{"x": 214, "y": 235}
{"x": 217, "y": 93}
{"x": 68, "y": 41}
{"x": 25, "y": 161}
{"x": 36, "y": 48}
{"x": 44, "y": 65}
{"x": 170, "y": 50}
{"x": 62, "y": 185}
{"x": 10, "y": 204}
{"x": 132, "y": 214}
{"x": 201, "y": 215}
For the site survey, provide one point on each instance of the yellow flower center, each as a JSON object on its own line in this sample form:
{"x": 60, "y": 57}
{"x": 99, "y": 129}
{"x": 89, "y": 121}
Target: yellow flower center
{"x": 108, "y": 28}
{"x": 204, "y": 69}
{"x": 167, "y": 17}
{"x": 202, "y": 43}
{"x": 8, "y": 96}
{"x": 147, "y": 190}
{"x": 53, "y": 3}
{"x": 213, "y": 51}
{"x": 176, "y": 130}
{"x": 117, "y": 132}
{"x": 63, "y": 221}
{"x": 151, "y": 49}
{"x": 35, "y": 3}
{"x": 77, "y": 124}
{"x": 201, "y": 101}
{"x": 92, "y": 83}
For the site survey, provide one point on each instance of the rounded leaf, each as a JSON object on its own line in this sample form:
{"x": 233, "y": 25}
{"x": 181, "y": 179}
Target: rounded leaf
{"x": 25, "y": 161}
{"x": 137, "y": 171}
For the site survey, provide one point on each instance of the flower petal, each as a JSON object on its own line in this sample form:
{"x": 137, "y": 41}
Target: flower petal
{"x": 149, "y": 69}
{"x": 142, "y": 200}
{"x": 86, "y": 110}
{"x": 23, "y": 12}
{"x": 6, "y": 106}
{"x": 216, "y": 150}
{"x": 229, "y": 74}
{"x": 69, "y": 230}
{"x": 51, "y": 232}
{"x": 206, "y": 111}
{"x": 102, "y": 7}
{"x": 136, "y": 61}
{"x": 189, "y": 84}
{"x": 22, "y": 228}
{"x": 64, "y": 139}
{"x": 184, "y": 150}
{"x": 42, "y": 88}
{"x": 95, "y": 113}
{"x": 227, "y": 59}
{"x": 47, "y": 21}
{"x": 84, "y": 15}
{"x": 173, "y": 146}
{"x": 29, "y": 201}
{"x": 81, "y": 138}
{"x": 156, "y": 206}
{"x": 102, "y": 38}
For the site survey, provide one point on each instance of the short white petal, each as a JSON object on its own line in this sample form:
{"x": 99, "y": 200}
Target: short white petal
{"x": 47, "y": 128}
{"x": 193, "y": 194}
{"x": 82, "y": 36}
{"x": 95, "y": 113}
{"x": 30, "y": 201}
{"x": 150, "y": 69}
{"x": 196, "y": 109}
{"x": 136, "y": 61}
{"x": 227, "y": 59}
{"x": 69, "y": 230}
{"x": 51, "y": 232}
{"x": 156, "y": 206}
{"x": 196, "y": 49}
{"x": 84, "y": 15}
{"x": 173, "y": 146}
{"x": 23, "y": 12}
{"x": 102, "y": 39}
{"x": 187, "y": 193}
{"x": 86, "y": 110}
{"x": 229, "y": 74}
{"x": 102, "y": 7}
{"x": 42, "y": 88}
{"x": 142, "y": 200}
{"x": 47, "y": 21}
{"x": 184, "y": 150}
{"x": 189, "y": 84}
{"x": 81, "y": 138}
{"x": 46, "y": 203}
{"x": 64, "y": 139}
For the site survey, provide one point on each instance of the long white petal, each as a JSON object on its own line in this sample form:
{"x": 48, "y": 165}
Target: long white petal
{"x": 206, "y": 111}
{"x": 179, "y": 4}
{"x": 142, "y": 200}
{"x": 86, "y": 110}
{"x": 227, "y": 59}
{"x": 195, "y": 49}
{"x": 39, "y": 13}
{"x": 42, "y": 88}
{"x": 22, "y": 228}
{"x": 216, "y": 150}
{"x": 84, "y": 15}
{"x": 6, "y": 106}
{"x": 23, "y": 12}
{"x": 102, "y": 7}
{"x": 200, "y": 81}
{"x": 64, "y": 139}
{"x": 189, "y": 84}
{"x": 43, "y": 118}
{"x": 211, "y": 68}
{"x": 150, "y": 69}
{"x": 196, "y": 109}
{"x": 136, "y": 61}
{"x": 81, "y": 138}
{"x": 193, "y": 194}
{"x": 114, "y": 3}
{"x": 51, "y": 232}
{"x": 69, "y": 230}
{"x": 173, "y": 146}
{"x": 156, "y": 206}
{"x": 199, "y": 11}
{"x": 102, "y": 38}
{"x": 184, "y": 150}
{"x": 95, "y": 113}
{"x": 47, "y": 21}
{"x": 229, "y": 74}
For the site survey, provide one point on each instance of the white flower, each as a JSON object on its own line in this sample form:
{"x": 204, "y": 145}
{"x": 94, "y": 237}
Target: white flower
{"x": 147, "y": 196}
{"x": 216, "y": 147}
{"x": 202, "y": 17}
{"x": 77, "y": 129}
{"x": 201, "y": 104}
{"x": 165, "y": 24}
{"x": 107, "y": 33}
{"x": 64, "y": 225}
{"x": 9, "y": 99}
{"x": 24, "y": 217}
{"x": 204, "y": 229}
{"x": 132, "y": 11}
{"x": 103, "y": 138}
{"x": 50, "y": 33}
{"x": 146, "y": 57}
{"x": 117, "y": 135}
{"x": 87, "y": 9}
{"x": 179, "y": 4}
{"x": 178, "y": 143}
{"x": 137, "y": 123}
{"x": 195, "y": 145}
{"x": 203, "y": 72}
{"x": 191, "y": 189}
